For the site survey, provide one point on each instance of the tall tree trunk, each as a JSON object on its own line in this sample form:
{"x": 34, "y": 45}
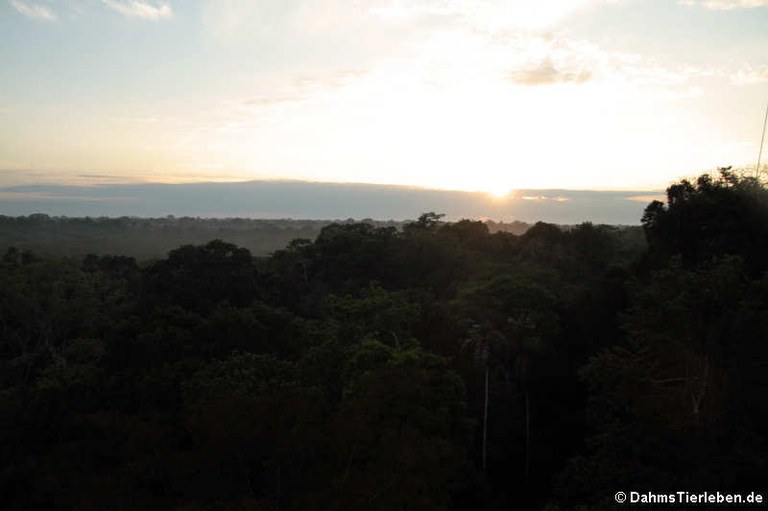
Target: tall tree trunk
{"x": 527, "y": 435}
{"x": 485, "y": 420}
{"x": 279, "y": 487}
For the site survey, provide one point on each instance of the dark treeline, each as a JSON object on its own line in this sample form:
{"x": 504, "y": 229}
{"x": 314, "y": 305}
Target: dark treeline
{"x": 433, "y": 367}
{"x": 147, "y": 238}
{"x": 152, "y": 238}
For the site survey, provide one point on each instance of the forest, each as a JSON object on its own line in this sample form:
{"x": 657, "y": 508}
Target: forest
{"x": 426, "y": 366}
{"x": 152, "y": 238}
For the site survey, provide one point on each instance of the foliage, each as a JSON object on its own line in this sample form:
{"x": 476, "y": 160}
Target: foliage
{"x": 710, "y": 217}
{"x": 444, "y": 365}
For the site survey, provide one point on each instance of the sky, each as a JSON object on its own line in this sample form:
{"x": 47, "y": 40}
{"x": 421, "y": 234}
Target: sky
{"x": 473, "y": 95}
{"x": 326, "y": 201}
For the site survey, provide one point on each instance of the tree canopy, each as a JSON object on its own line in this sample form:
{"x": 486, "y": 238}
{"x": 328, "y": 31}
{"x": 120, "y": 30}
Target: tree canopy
{"x": 439, "y": 366}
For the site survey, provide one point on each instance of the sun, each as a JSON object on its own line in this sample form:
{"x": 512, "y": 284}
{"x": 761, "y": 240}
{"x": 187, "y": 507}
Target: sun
{"x": 499, "y": 193}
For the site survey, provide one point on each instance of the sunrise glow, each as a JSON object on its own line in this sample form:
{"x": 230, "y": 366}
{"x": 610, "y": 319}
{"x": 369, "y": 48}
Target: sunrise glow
{"x": 466, "y": 95}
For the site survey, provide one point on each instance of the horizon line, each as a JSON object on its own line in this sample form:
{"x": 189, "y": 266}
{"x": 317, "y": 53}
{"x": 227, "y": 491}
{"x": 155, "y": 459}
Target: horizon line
{"x": 323, "y": 183}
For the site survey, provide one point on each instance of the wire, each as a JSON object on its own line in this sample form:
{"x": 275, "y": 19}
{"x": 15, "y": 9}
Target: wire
{"x": 762, "y": 139}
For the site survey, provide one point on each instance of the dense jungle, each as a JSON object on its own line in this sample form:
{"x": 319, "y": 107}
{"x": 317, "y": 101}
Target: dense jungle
{"x": 430, "y": 365}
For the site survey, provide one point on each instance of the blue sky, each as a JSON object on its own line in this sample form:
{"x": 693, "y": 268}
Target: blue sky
{"x": 485, "y": 95}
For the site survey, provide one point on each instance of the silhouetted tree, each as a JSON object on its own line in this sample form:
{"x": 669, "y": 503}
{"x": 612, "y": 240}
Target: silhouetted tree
{"x": 710, "y": 217}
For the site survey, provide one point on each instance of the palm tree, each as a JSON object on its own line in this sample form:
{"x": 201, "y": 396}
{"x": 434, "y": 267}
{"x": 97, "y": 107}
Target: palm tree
{"x": 481, "y": 341}
{"x": 525, "y": 351}
{"x": 517, "y": 319}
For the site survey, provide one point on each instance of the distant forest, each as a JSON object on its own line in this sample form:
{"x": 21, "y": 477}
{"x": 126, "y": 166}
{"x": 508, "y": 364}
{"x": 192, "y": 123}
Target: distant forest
{"x": 366, "y": 366}
{"x": 153, "y": 238}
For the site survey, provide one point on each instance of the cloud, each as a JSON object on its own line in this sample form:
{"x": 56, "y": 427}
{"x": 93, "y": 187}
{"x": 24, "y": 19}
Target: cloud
{"x": 548, "y": 60}
{"x": 140, "y": 9}
{"x": 10, "y": 164}
{"x": 681, "y": 81}
{"x": 144, "y": 119}
{"x": 557, "y": 60}
{"x": 33, "y": 10}
{"x": 646, "y": 198}
{"x": 726, "y": 5}
{"x": 303, "y": 88}
{"x": 25, "y": 196}
{"x": 96, "y": 179}
{"x": 491, "y": 14}
{"x": 750, "y": 76}
{"x": 558, "y": 198}
{"x": 267, "y": 100}
{"x": 546, "y": 73}
{"x": 232, "y": 20}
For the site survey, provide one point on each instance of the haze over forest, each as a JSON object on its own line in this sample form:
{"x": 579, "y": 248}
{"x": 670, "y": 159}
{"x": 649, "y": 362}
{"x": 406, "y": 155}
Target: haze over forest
{"x": 301, "y": 200}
